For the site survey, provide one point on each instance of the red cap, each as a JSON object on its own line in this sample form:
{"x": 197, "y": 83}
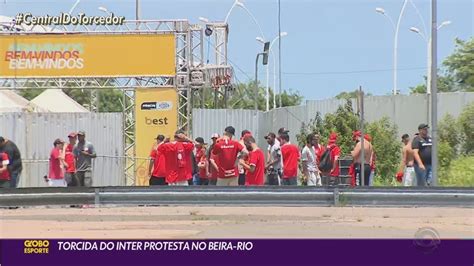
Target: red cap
{"x": 356, "y": 134}
{"x": 72, "y": 135}
{"x": 368, "y": 137}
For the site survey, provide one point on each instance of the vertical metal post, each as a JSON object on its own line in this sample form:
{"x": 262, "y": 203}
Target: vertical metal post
{"x": 362, "y": 139}
{"x": 137, "y": 9}
{"x": 256, "y": 82}
{"x": 279, "y": 51}
{"x": 428, "y": 84}
{"x": 434, "y": 92}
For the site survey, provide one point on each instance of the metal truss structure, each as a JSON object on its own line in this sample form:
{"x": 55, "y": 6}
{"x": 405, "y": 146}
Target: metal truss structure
{"x": 191, "y": 79}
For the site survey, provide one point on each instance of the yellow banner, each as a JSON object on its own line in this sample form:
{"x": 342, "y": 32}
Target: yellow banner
{"x": 87, "y": 55}
{"x": 156, "y": 113}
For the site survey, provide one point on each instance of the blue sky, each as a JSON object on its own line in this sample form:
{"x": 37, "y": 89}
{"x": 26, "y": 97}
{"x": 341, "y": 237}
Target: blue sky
{"x": 332, "y": 45}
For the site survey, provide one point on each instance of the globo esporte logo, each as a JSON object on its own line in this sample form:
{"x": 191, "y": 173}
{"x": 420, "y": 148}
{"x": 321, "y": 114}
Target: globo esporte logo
{"x": 24, "y": 56}
{"x": 36, "y": 246}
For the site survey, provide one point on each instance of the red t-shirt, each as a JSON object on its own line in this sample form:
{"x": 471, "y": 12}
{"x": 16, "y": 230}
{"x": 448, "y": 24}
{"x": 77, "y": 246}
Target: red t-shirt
{"x": 257, "y": 159}
{"x": 55, "y": 170}
{"x": 227, "y": 151}
{"x": 176, "y": 168}
{"x": 69, "y": 159}
{"x": 335, "y": 152}
{"x": 318, "y": 150}
{"x": 201, "y": 157}
{"x": 213, "y": 172}
{"x": 5, "y": 175}
{"x": 291, "y": 156}
{"x": 159, "y": 164}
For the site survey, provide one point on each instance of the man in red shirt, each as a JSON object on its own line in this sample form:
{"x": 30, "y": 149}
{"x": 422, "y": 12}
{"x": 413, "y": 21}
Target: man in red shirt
{"x": 256, "y": 166}
{"x": 243, "y": 155}
{"x": 4, "y": 173}
{"x": 227, "y": 151}
{"x": 200, "y": 157}
{"x": 177, "y": 155}
{"x": 291, "y": 155}
{"x": 156, "y": 168}
{"x": 213, "y": 168}
{"x": 57, "y": 165}
{"x": 335, "y": 153}
{"x": 69, "y": 158}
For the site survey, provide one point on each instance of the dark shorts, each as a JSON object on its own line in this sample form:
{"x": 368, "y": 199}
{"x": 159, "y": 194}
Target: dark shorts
{"x": 85, "y": 178}
{"x": 204, "y": 182}
{"x": 358, "y": 173}
{"x": 4, "y": 183}
{"x": 157, "y": 181}
{"x": 212, "y": 182}
{"x": 289, "y": 181}
{"x": 71, "y": 179}
{"x": 241, "y": 179}
{"x": 272, "y": 179}
{"x": 15, "y": 178}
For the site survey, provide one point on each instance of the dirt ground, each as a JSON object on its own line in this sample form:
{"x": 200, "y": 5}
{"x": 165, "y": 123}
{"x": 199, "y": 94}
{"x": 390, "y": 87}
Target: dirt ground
{"x": 191, "y": 222}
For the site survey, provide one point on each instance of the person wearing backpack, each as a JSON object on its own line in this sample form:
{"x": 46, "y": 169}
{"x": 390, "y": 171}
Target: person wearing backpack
{"x": 329, "y": 163}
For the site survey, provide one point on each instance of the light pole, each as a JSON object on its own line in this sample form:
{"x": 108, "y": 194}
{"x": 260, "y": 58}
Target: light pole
{"x": 104, "y": 9}
{"x": 74, "y": 7}
{"x": 428, "y": 74}
{"x": 230, "y": 10}
{"x": 395, "y": 45}
{"x": 241, "y": 5}
{"x": 260, "y": 39}
{"x": 428, "y": 43}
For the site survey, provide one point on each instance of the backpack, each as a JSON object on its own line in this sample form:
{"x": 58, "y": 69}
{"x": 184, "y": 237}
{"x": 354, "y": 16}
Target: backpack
{"x": 326, "y": 163}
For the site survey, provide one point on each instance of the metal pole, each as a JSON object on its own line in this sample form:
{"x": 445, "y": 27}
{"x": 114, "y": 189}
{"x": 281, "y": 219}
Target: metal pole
{"x": 428, "y": 84}
{"x": 274, "y": 80}
{"x": 137, "y": 9}
{"x": 256, "y": 82}
{"x": 434, "y": 92}
{"x": 395, "y": 49}
{"x": 267, "y": 91}
{"x": 279, "y": 52}
{"x": 362, "y": 158}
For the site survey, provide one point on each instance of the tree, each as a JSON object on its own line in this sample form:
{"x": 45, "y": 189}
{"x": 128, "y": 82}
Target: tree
{"x": 460, "y": 65}
{"x": 350, "y": 95}
{"x": 109, "y": 99}
{"x": 445, "y": 84}
{"x": 458, "y": 70}
{"x": 456, "y": 148}
{"x": 466, "y": 125}
{"x": 344, "y": 121}
{"x": 242, "y": 97}
{"x": 387, "y": 148}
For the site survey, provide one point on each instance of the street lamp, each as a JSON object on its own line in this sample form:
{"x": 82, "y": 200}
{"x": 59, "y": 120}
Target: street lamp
{"x": 428, "y": 41}
{"x": 429, "y": 60}
{"x": 260, "y": 39}
{"x": 241, "y": 5}
{"x": 74, "y": 7}
{"x": 395, "y": 45}
{"x": 203, "y": 19}
{"x": 236, "y": 3}
{"x": 105, "y": 10}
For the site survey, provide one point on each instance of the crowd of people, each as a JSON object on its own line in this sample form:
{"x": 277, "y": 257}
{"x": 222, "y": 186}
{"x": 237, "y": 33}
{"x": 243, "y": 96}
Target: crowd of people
{"x": 69, "y": 164}
{"x": 231, "y": 161}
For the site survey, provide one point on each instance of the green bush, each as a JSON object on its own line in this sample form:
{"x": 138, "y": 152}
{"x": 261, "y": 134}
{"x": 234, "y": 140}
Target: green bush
{"x": 459, "y": 174}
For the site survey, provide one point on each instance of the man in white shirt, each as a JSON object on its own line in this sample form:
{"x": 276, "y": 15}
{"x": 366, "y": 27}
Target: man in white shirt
{"x": 273, "y": 165}
{"x": 308, "y": 157}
